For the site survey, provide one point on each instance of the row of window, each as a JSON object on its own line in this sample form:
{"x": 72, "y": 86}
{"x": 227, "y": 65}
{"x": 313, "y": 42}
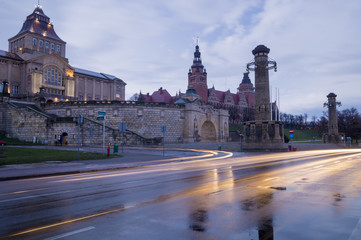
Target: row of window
{"x": 52, "y": 76}
{"x": 47, "y": 45}
{"x": 54, "y": 91}
{"x": 89, "y": 98}
{"x": 19, "y": 43}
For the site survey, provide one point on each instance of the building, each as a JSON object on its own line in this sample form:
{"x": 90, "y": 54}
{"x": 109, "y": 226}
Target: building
{"x": 240, "y": 104}
{"x": 36, "y": 59}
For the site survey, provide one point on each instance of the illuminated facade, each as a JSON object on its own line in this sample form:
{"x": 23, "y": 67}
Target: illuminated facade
{"x": 37, "y": 59}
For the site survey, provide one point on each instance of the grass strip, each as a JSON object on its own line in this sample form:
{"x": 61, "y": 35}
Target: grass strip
{"x": 18, "y": 155}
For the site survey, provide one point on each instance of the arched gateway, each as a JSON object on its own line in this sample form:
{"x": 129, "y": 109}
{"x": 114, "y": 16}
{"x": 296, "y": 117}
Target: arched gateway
{"x": 208, "y": 132}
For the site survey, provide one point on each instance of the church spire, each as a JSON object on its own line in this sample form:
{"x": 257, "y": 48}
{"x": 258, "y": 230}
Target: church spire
{"x": 197, "y": 55}
{"x": 197, "y": 76}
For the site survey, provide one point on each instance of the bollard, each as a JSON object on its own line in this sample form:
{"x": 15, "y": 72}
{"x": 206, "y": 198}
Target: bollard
{"x": 289, "y": 148}
{"x": 294, "y": 149}
{"x": 108, "y": 151}
{"x": 115, "y": 148}
{"x": 219, "y": 147}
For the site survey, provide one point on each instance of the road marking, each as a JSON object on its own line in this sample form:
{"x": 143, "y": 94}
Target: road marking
{"x": 337, "y": 161}
{"x": 65, "y": 222}
{"x": 32, "y": 196}
{"x": 70, "y": 233}
{"x": 318, "y": 166}
{"x": 356, "y": 233}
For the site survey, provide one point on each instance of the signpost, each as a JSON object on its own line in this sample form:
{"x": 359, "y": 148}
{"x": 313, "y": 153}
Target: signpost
{"x": 291, "y": 137}
{"x": 240, "y": 137}
{"x": 101, "y": 117}
{"x": 348, "y": 139}
{"x": 122, "y": 129}
{"x": 164, "y": 129}
{"x": 80, "y": 121}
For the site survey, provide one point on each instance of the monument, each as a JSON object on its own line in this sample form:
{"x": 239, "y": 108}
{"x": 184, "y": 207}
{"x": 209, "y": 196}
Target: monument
{"x": 263, "y": 134}
{"x": 333, "y": 136}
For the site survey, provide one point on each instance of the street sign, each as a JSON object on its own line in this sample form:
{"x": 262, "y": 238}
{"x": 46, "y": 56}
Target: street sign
{"x": 100, "y": 118}
{"x": 291, "y": 130}
{"x": 348, "y": 139}
{"x": 123, "y": 127}
{"x": 101, "y": 113}
{"x": 291, "y": 135}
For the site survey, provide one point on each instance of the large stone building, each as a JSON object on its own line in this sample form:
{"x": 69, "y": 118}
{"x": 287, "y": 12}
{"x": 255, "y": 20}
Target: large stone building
{"x": 43, "y": 99}
{"x": 240, "y": 105}
{"x": 36, "y": 59}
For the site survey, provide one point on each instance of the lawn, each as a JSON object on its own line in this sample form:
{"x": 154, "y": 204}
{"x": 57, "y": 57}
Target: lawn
{"x": 19, "y": 155}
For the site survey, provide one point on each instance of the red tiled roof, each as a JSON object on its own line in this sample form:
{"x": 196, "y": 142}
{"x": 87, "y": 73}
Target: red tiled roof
{"x": 162, "y": 95}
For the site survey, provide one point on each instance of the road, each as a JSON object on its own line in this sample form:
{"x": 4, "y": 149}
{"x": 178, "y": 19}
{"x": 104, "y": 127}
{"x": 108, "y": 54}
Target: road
{"x": 295, "y": 195}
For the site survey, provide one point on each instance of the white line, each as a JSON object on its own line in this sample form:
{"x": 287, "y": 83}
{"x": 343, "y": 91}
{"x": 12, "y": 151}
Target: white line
{"x": 318, "y": 166}
{"x": 70, "y": 233}
{"x": 356, "y": 233}
{"x": 32, "y": 196}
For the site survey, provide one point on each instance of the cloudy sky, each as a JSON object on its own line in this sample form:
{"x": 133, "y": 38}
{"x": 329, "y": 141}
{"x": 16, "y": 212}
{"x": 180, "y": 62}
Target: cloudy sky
{"x": 150, "y": 43}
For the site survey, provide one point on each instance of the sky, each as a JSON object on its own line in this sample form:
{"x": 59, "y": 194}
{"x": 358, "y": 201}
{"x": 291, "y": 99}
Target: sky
{"x": 150, "y": 43}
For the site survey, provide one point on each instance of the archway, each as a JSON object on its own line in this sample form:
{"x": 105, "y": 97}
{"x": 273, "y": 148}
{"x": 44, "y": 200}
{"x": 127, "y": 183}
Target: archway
{"x": 64, "y": 139}
{"x": 208, "y": 132}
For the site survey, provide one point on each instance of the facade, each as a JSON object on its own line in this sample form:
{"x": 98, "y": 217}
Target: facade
{"x": 36, "y": 59}
{"x": 43, "y": 99}
{"x": 240, "y": 105}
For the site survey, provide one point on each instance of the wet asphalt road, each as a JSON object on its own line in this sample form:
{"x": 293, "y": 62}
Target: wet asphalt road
{"x": 297, "y": 195}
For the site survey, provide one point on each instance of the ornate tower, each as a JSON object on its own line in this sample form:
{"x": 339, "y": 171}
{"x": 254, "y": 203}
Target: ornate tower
{"x": 332, "y": 114}
{"x": 197, "y": 76}
{"x": 261, "y": 67}
{"x": 263, "y": 134}
{"x": 37, "y": 37}
{"x": 333, "y": 136}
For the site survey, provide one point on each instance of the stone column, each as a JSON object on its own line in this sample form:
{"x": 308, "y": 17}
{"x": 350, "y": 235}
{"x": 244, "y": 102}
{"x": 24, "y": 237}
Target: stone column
{"x": 332, "y": 114}
{"x": 262, "y": 95}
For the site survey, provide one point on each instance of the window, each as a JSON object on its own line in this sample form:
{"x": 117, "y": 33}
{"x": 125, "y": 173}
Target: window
{"x": 15, "y": 89}
{"x": 21, "y": 42}
{"x": 52, "y": 47}
{"x": 52, "y": 76}
{"x": 81, "y": 98}
{"x": 58, "y": 48}
{"x": 41, "y": 43}
{"x": 16, "y": 44}
{"x": 35, "y": 42}
{"x": 46, "y": 45}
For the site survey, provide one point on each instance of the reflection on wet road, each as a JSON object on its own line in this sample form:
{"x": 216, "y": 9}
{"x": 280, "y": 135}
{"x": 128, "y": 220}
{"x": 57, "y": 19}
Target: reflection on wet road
{"x": 298, "y": 195}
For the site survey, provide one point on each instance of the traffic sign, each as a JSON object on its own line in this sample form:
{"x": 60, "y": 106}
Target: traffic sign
{"x": 101, "y": 113}
{"x": 123, "y": 127}
{"x": 291, "y": 135}
{"x": 100, "y": 118}
{"x": 291, "y": 130}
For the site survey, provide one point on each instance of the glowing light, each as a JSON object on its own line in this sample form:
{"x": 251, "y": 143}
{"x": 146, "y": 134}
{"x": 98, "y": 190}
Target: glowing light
{"x": 56, "y": 99}
{"x": 65, "y": 222}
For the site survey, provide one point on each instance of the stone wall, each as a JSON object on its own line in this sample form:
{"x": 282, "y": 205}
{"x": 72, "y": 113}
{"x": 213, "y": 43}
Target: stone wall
{"x": 189, "y": 123}
{"x": 25, "y": 124}
{"x": 146, "y": 120}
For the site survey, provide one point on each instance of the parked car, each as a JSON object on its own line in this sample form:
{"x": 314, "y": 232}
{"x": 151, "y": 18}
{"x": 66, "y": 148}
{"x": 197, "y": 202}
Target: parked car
{"x": 2, "y": 143}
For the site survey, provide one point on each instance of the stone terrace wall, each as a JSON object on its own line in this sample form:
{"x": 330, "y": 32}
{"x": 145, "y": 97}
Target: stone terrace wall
{"x": 25, "y": 124}
{"x": 143, "y": 119}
